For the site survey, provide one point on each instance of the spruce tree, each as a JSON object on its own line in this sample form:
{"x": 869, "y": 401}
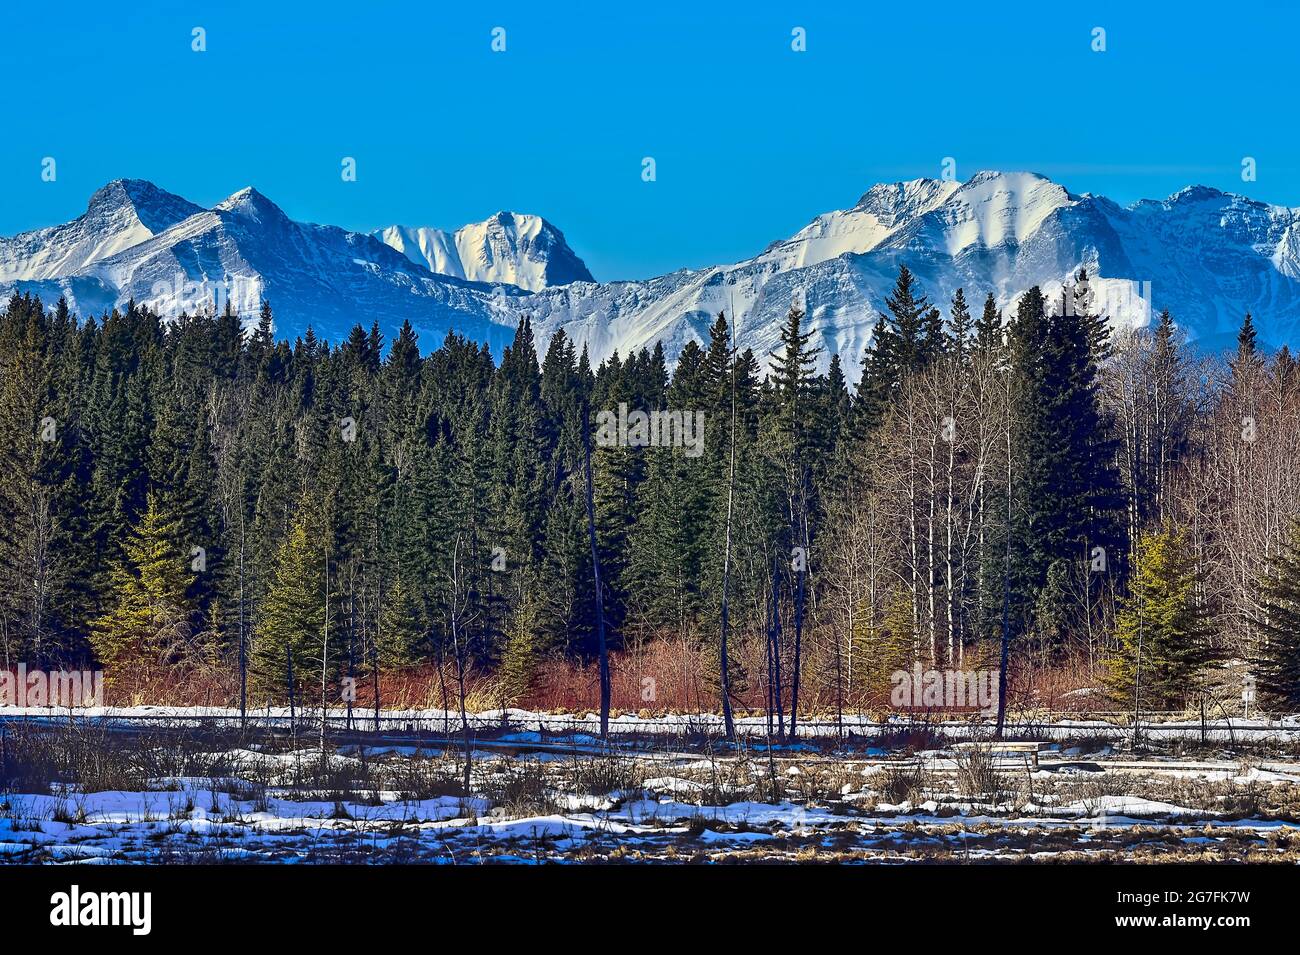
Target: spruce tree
{"x": 988, "y": 328}
{"x": 1162, "y": 628}
{"x": 1247, "y": 340}
{"x": 151, "y": 620}
{"x": 961, "y": 325}
{"x": 1277, "y": 664}
{"x": 291, "y": 619}
{"x": 401, "y": 626}
{"x": 1068, "y": 483}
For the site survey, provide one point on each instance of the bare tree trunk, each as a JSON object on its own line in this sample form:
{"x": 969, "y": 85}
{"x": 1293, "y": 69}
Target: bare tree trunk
{"x": 931, "y": 609}
{"x": 1006, "y": 584}
{"x": 293, "y": 723}
{"x": 595, "y": 572}
{"x": 954, "y": 653}
{"x": 771, "y": 664}
{"x": 324, "y": 656}
{"x": 442, "y": 686}
{"x": 459, "y": 649}
{"x": 352, "y": 648}
{"x": 374, "y": 653}
{"x": 774, "y": 638}
{"x": 801, "y": 576}
{"x": 724, "y": 675}
{"x": 243, "y": 632}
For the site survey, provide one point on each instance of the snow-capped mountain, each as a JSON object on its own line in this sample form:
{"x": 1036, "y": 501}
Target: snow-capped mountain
{"x": 178, "y": 257}
{"x": 122, "y": 214}
{"x": 509, "y": 247}
{"x": 1207, "y": 256}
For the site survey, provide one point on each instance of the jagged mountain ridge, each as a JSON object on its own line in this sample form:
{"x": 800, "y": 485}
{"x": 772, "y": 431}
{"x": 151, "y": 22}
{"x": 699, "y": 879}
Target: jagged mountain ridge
{"x": 1207, "y": 255}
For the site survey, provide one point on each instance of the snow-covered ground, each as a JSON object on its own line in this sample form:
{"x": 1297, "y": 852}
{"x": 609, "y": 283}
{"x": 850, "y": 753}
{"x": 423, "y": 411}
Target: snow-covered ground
{"x": 396, "y": 804}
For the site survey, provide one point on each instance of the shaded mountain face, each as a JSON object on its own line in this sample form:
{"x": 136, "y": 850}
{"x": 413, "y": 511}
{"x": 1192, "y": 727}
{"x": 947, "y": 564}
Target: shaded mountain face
{"x": 1206, "y": 255}
{"x": 521, "y": 250}
{"x": 122, "y": 214}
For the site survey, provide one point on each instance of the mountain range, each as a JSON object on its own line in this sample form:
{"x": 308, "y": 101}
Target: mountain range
{"x": 1206, "y": 255}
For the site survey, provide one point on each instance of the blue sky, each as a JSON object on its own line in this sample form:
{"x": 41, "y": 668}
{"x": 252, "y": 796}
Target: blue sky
{"x": 750, "y": 138}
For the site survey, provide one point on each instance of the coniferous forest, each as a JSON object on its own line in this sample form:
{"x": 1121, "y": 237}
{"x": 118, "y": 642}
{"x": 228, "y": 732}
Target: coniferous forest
{"x": 214, "y": 515}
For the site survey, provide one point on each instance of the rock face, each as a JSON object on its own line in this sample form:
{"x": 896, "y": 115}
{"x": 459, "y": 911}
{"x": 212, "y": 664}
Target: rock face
{"x": 516, "y": 249}
{"x": 1207, "y": 256}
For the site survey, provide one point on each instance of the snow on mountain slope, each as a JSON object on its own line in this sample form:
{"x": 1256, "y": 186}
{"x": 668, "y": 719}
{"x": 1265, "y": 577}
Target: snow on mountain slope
{"x": 435, "y": 249}
{"x": 882, "y": 210}
{"x": 1206, "y": 255}
{"x": 122, "y": 214}
{"x": 521, "y": 250}
{"x": 992, "y": 209}
{"x": 245, "y": 249}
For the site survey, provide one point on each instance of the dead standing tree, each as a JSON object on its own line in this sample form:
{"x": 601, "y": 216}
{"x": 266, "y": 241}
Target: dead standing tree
{"x": 324, "y": 660}
{"x": 458, "y": 620}
{"x": 724, "y": 667}
{"x": 773, "y": 635}
{"x": 595, "y": 573}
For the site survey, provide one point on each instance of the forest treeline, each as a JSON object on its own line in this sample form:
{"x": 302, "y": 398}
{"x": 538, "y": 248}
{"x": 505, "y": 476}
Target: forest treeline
{"x": 190, "y": 498}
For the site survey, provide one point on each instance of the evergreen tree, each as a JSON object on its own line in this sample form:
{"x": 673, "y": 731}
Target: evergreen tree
{"x": 1065, "y": 445}
{"x": 150, "y": 624}
{"x": 904, "y": 342}
{"x": 1247, "y": 340}
{"x": 401, "y": 626}
{"x": 1162, "y": 630}
{"x": 1278, "y": 663}
{"x": 988, "y": 328}
{"x": 291, "y": 619}
{"x": 962, "y": 326}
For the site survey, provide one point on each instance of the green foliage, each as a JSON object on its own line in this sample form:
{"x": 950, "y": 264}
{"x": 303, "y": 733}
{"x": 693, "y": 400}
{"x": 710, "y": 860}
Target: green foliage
{"x": 884, "y": 645}
{"x": 1162, "y": 630}
{"x": 402, "y": 630}
{"x": 1070, "y": 495}
{"x": 330, "y": 485}
{"x": 1277, "y": 666}
{"x": 291, "y": 619}
{"x": 150, "y": 624}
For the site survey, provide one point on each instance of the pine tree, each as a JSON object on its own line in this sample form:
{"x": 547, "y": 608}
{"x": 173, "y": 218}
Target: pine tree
{"x": 1278, "y": 664}
{"x": 1065, "y": 444}
{"x": 401, "y": 626}
{"x": 904, "y": 342}
{"x": 794, "y": 432}
{"x": 150, "y": 623}
{"x": 988, "y": 328}
{"x": 885, "y": 646}
{"x": 1161, "y": 629}
{"x": 291, "y": 619}
{"x": 961, "y": 325}
{"x": 1247, "y": 340}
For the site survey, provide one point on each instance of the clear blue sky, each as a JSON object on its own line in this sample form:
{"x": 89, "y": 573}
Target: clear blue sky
{"x": 751, "y": 139}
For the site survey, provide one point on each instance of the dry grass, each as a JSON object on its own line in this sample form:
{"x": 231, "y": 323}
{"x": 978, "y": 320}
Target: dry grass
{"x": 978, "y": 776}
{"x": 905, "y": 781}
